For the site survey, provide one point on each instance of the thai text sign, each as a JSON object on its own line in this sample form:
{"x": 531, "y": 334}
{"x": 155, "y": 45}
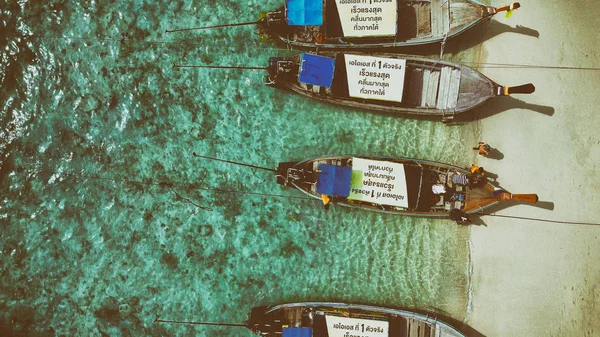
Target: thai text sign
{"x": 378, "y": 182}
{"x": 375, "y": 77}
{"x": 354, "y": 327}
{"x": 368, "y": 17}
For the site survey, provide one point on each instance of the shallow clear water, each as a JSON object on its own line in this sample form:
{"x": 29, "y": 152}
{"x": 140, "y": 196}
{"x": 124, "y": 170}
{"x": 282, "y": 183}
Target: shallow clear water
{"x": 91, "y": 104}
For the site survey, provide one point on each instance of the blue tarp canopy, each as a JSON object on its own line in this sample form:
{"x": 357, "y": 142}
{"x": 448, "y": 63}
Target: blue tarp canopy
{"x": 297, "y": 332}
{"x": 334, "y": 180}
{"x": 304, "y": 12}
{"x": 316, "y": 70}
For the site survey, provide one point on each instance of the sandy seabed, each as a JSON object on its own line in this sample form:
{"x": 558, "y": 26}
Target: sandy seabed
{"x": 541, "y": 278}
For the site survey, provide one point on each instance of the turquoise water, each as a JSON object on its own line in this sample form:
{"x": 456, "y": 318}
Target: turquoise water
{"x": 91, "y": 103}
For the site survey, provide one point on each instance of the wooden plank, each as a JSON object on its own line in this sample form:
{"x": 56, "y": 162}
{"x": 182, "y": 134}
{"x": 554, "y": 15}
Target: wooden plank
{"x": 432, "y": 89}
{"x": 421, "y": 329}
{"x": 454, "y": 89}
{"x": 446, "y": 17}
{"x": 442, "y": 101}
{"x": 462, "y": 13}
{"x": 413, "y": 329}
{"x": 436, "y": 332}
{"x": 423, "y": 19}
{"x": 437, "y": 28}
{"x": 424, "y": 91}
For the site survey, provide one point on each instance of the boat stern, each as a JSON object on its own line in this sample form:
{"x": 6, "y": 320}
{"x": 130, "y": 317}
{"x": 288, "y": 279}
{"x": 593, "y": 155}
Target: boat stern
{"x": 284, "y": 177}
{"x": 265, "y": 324}
{"x": 278, "y": 66}
{"x": 289, "y": 174}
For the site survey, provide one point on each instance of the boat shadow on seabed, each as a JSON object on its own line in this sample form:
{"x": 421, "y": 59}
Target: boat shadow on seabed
{"x": 498, "y": 105}
{"x": 490, "y": 108}
{"x": 477, "y": 220}
{"x": 469, "y": 39}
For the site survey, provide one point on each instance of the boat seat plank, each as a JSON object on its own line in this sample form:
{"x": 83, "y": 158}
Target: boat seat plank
{"x": 431, "y": 81}
{"x": 424, "y": 329}
{"x": 442, "y": 100}
{"x": 426, "y": 75}
{"x": 449, "y": 87}
{"x": 423, "y": 19}
{"x": 445, "y": 17}
{"x": 417, "y": 328}
{"x": 412, "y": 328}
{"x": 462, "y": 13}
{"x": 454, "y": 89}
{"x": 435, "y": 332}
{"x": 437, "y": 28}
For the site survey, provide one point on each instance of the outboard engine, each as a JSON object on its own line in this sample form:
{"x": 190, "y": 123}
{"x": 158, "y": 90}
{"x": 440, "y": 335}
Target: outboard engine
{"x": 277, "y": 66}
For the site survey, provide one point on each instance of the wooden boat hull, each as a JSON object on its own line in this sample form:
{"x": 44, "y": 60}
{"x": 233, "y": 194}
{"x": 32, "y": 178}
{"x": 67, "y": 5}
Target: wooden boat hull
{"x": 431, "y": 87}
{"x": 327, "y": 319}
{"x": 420, "y": 176}
{"x": 419, "y": 22}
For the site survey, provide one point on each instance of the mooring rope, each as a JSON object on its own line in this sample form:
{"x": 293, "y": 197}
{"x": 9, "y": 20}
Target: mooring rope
{"x": 543, "y": 220}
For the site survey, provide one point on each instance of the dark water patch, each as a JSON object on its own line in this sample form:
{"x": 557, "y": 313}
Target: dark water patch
{"x": 205, "y": 230}
{"x": 109, "y": 311}
{"x": 289, "y": 248}
{"x": 14, "y": 251}
{"x": 13, "y": 74}
{"x": 7, "y": 165}
{"x": 170, "y": 260}
{"x": 20, "y": 321}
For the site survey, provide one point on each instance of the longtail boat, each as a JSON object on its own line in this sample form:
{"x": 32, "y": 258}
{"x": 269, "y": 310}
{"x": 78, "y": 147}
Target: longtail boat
{"x": 395, "y": 185}
{"x": 322, "y": 319}
{"x": 401, "y": 84}
{"x": 354, "y": 24}
{"x": 326, "y": 319}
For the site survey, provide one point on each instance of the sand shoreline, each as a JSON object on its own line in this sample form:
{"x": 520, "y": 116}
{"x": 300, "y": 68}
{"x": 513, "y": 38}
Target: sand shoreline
{"x": 539, "y": 278}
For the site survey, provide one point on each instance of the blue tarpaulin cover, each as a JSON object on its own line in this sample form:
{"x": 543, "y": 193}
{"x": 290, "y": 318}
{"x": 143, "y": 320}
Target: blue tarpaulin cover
{"x": 297, "y": 332}
{"x": 334, "y": 180}
{"x": 316, "y": 70}
{"x": 304, "y": 12}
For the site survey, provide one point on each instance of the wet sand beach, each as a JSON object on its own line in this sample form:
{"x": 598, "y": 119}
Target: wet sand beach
{"x": 541, "y": 278}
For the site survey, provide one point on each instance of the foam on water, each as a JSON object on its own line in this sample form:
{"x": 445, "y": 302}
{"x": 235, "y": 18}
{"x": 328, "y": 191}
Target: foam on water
{"x": 86, "y": 107}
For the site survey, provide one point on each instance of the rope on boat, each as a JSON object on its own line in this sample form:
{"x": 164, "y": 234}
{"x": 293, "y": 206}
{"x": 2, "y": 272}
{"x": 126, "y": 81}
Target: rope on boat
{"x": 158, "y": 320}
{"x": 472, "y": 64}
{"x": 107, "y": 39}
{"x": 220, "y": 67}
{"x": 527, "y": 66}
{"x": 209, "y": 27}
{"x": 543, "y": 220}
{"x": 171, "y": 186}
{"x": 236, "y": 163}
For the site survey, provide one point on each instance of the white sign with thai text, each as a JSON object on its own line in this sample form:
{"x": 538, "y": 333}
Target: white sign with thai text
{"x": 368, "y": 17}
{"x": 378, "y": 182}
{"x": 355, "y": 327}
{"x": 375, "y": 77}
